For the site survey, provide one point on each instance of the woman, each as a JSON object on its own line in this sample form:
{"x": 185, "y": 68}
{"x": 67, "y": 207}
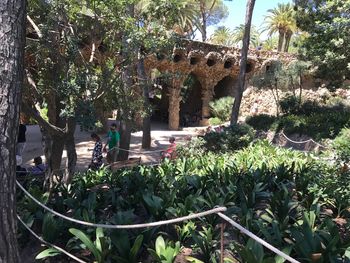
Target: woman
{"x": 96, "y": 161}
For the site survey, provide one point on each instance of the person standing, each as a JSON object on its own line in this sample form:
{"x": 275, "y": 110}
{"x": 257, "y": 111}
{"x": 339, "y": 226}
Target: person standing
{"x": 113, "y": 140}
{"x": 21, "y": 139}
{"x": 96, "y": 161}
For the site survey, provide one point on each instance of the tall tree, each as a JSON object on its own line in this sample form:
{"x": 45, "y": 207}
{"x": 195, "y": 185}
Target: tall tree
{"x": 12, "y": 37}
{"x": 243, "y": 63}
{"x": 327, "y": 23}
{"x": 281, "y": 20}
{"x": 211, "y": 12}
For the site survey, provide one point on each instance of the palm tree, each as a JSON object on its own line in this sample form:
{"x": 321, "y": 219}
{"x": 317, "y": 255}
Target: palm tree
{"x": 238, "y": 34}
{"x": 222, "y": 36}
{"x": 179, "y": 16}
{"x": 281, "y": 20}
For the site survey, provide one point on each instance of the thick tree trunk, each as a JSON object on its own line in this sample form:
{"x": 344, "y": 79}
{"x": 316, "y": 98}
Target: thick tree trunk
{"x": 146, "y": 122}
{"x": 288, "y": 37}
{"x": 12, "y": 39}
{"x": 71, "y": 151}
{"x": 243, "y": 65}
{"x": 280, "y": 40}
{"x": 125, "y": 137}
{"x": 127, "y": 76}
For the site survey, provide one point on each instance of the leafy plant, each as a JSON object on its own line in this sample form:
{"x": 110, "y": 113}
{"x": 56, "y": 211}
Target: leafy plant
{"x": 127, "y": 251}
{"x": 261, "y": 122}
{"x": 221, "y": 108}
{"x": 165, "y": 252}
{"x": 341, "y": 145}
{"x": 99, "y": 249}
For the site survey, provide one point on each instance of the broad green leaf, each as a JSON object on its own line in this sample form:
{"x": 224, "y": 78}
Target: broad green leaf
{"x": 50, "y": 252}
{"x": 87, "y": 242}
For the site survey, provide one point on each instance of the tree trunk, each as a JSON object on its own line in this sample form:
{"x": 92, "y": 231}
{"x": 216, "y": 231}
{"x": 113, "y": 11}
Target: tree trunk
{"x": 146, "y": 122}
{"x": 125, "y": 137}
{"x": 204, "y": 20}
{"x": 12, "y": 37}
{"x": 287, "y": 38}
{"x": 280, "y": 40}
{"x": 243, "y": 65}
{"x": 71, "y": 151}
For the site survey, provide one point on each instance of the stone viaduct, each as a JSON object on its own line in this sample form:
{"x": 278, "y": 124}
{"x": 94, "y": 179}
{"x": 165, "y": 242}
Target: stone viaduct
{"x": 211, "y": 65}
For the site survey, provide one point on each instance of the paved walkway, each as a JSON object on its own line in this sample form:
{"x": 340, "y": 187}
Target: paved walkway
{"x": 160, "y": 136}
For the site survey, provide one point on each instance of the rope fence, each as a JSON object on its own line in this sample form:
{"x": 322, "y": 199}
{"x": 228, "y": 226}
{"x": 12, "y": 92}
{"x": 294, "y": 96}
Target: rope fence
{"x": 216, "y": 210}
{"x": 48, "y": 243}
{"x": 303, "y": 142}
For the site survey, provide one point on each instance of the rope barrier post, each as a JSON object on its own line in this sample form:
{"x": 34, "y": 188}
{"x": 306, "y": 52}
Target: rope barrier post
{"x": 222, "y": 225}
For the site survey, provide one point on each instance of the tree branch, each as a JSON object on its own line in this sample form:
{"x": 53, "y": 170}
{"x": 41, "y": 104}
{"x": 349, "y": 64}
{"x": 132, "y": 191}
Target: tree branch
{"x": 34, "y": 113}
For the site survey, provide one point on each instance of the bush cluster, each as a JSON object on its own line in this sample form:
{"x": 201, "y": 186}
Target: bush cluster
{"x": 232, "y": 138}
{"x": 310, "y": 118}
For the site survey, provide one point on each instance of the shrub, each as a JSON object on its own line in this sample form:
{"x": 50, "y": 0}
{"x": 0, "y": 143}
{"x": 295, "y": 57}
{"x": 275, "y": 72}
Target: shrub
{"x": 341, "y": 145}
{"x": 215, "y": 121}
{"x": 261, "y": 121}
{"x": 232, "y": 138}
{"x": 221, "y": 108}
{"x": 195, "y": 147}
{"x": 289, "y": 104}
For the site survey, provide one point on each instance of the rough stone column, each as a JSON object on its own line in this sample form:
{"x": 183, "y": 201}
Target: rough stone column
{"x": 174, "y": 103}
{"x": 208, "y": 86}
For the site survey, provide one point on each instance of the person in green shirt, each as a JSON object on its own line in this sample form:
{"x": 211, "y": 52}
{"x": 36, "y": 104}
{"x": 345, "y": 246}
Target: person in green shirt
{"x": 113, "y": 139}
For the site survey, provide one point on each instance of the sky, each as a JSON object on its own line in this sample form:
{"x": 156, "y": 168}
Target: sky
{"x": 237, "y": 10}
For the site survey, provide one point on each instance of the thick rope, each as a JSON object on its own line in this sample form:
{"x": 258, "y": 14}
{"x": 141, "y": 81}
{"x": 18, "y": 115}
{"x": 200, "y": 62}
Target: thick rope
{"x": 136, "y": 152}
{"x": 48, "y": 243}
{"x": 302, "y": 142}
{"x": 153, "y": 224}
{"x": 258, "y": 239}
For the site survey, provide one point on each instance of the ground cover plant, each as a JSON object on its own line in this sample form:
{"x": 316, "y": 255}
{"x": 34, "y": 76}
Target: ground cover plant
{"x": 319, "y": 121}
{"x": 293, "y": 201}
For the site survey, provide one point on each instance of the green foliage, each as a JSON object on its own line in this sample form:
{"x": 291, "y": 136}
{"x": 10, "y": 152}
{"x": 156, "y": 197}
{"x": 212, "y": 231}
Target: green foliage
{"x": 165, "y": 252}
{"x": 193, "y": 147}
{"x": 289, "y": 104}
{"x": 278, "y": 194}
{"x": 127, "y": 251}
{"x": 341, "y": 145}
{"x": 215, "y": 121}
{"x": 50, "y": 252}
{"x": 261, "y": 122}
{"x": 327, "y": 29}
{"x": 222, "y": 108}
{"x": 231, "y": 138}
{"x": 310, "y": 118}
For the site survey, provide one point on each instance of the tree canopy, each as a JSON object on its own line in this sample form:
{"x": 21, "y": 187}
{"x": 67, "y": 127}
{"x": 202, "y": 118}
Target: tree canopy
{"x": 327, "y": 23}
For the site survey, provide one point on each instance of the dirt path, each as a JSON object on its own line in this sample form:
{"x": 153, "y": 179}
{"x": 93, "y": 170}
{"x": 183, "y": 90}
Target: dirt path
{"x": 160, "y": 136}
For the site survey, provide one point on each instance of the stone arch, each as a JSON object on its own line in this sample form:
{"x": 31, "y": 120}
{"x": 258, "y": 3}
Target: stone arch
{"x": 229, "y": 61}
{"x": 212, "y": 58}
{"x": 195, "y": 57}
{"x": 179, "y": 55}
{"x": 251, "y": 64}
{"x": 225, "y": 87}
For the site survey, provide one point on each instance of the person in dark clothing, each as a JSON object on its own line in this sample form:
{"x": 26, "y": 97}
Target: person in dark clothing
{"x": 96, "y": 161}
{"x": 21, "y": 139}
{"x": 39, "y": 167}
